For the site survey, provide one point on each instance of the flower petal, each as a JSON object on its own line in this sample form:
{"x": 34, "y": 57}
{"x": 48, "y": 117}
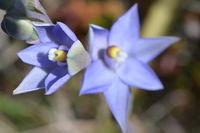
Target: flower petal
{"x": 126, "y": 29}
{"x": 147, "y": 49}
{"x": 97, "y": 78}
{"x": 77, "y": 58}
{"x": 33, "y": 81}
{"x": 64, "y": 35}
{"x": 56, "y": 79}
{"x": 98, "y": 40}
{"x": 138, "y": 74}
{"x": 117, "y": 97}
{"x": 45, "y": 32}
{"x": 37, "y": 55}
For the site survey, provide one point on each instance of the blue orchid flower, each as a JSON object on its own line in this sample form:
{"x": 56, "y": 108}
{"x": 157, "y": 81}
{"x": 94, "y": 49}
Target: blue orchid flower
{"x": 119, "y": 60}
{"x": 59, "y": 56}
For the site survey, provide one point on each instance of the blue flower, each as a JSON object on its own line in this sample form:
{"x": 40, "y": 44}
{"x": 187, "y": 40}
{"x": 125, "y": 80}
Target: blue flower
{"x": 59, "y": 56}
{"x": 119, "y": 60}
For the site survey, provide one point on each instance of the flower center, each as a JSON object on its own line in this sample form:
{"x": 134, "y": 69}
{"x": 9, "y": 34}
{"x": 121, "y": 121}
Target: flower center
{"x": 57, "y": 55}
{"x": 115, "y": 52}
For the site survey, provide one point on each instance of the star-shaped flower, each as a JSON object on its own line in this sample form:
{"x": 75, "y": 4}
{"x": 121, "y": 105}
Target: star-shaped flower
{"x": 59, "y": 56}
{"x": 119, "y": 60}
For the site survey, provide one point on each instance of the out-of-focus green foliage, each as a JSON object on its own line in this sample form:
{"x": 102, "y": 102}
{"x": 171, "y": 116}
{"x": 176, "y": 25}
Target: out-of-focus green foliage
{"x": 160, "y": 18}
{"x": 13, "y": 108}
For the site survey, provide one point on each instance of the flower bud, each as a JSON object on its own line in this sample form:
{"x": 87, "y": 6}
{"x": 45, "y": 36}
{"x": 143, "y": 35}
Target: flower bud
{"x": 21, "y": 29}
{"x": 6, "y": 4}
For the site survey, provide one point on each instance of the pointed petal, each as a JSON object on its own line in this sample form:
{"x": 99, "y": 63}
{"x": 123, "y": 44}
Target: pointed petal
{"x": 64, "y": 35}
{"x": 40, "y": 10}
{"x": 27, "y": 9}
{"x": 56, "y": 79}
{"x": 98, "y": 40}
{"x": 33, "y": 81}
{"x": 37, "y": 55}
{"x": 117, "y": 97}
{"x": 126, "y": 29}
{"x": 138, "y": 74}
{"x": 97, "y": 78}
{"x": 45, "y": 32}
{"x": 147, "y": 49}
{"x": 77, "y": 58}
{"x": 34, "y": 10}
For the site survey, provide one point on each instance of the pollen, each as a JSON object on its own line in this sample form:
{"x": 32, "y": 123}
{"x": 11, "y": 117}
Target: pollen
{"x": 61, "y": 56}
{"x": 57, "y": 55}
{"x": 113, "y": 51}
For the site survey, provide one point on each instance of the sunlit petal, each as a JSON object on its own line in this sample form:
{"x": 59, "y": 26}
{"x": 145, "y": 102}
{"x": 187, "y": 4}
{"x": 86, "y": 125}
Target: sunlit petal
{"x": 77, "y": 58}
{"x": 117, "y": 97}
{"x": 97, "y": 78}
{"x": 126, "y": 29}
{"x": 146, "y": 49}
{"x": 56, "y": 78}
{"x": 98, "y": 41}
{"x": 138, "y": 74}
{"x": 37, "y": 55}
{"x": 33, "y": 81}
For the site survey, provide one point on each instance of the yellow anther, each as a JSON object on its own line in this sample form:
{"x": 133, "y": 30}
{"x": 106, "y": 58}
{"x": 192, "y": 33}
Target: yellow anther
{"x": 113, "y": 51}
{"x": 61, "y": 56}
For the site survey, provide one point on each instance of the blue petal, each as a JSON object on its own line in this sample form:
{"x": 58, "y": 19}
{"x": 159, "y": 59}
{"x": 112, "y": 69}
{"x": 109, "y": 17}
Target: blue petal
{"x": 126, "y": 29}
{"x": 97, "y": 78}
{"x": 147, "y": 49}
{"x": 138, "y": 74}
{"x": 64, "y": 35}
{"x": 98, "y": 40}
{"x": 56, "y": 79}
{"x": 117, "y": 97}
{"x": 33, "y": 81}
{"x": 45, "y": 32}
{"x": 37, "y": 55}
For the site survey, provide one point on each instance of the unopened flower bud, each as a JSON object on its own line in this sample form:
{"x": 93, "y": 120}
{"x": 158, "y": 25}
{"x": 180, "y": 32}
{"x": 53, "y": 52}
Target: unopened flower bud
{"x": 21, "y": 29}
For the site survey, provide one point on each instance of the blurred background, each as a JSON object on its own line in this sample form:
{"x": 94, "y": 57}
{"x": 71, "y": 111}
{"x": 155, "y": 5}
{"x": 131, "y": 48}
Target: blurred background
{"x": 173, "y": 110}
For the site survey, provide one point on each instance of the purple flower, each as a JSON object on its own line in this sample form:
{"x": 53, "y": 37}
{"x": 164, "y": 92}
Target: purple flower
{"x": 119, "y": 59}
{"x": 59, "y": 56}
